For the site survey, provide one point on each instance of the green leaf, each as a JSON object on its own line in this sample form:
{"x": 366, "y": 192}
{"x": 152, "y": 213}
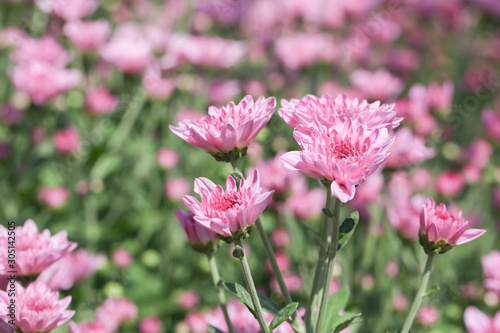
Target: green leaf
{"x": 212, "y": 329}
{"x": 336, "y": 303}
{"x": 347, "y": 229}
{"x": 283, "y": 315}
{"x": 267, "y": 304}
{"x": 244, "y": 295}
{"x": 345, "y": 320}
{"x": 432, "y": 291}
{"x": 328, "y": 213}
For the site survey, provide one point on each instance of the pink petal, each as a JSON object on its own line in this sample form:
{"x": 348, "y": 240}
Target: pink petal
{"x": 470, "y": 235}
{"x": 476, "y": 321}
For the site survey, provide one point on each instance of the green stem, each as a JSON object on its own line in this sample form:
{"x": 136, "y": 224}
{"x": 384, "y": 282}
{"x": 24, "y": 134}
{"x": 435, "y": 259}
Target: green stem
{"x": 219, "y": 288}
{"x": 259, "y": 314}
{"x": 330, "y": 263}
{"x": 420, "y": 293}
{"x": 319, "y": 274}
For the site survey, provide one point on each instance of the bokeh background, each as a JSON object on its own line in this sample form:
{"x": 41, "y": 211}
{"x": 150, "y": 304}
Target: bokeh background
{"x": 85, "y": 144}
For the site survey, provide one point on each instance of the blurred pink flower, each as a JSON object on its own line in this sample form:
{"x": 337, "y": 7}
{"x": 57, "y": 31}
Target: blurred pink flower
{"x": 35, "y": 251}
{"x": 400, "y": 303}
{"x": 228, "y": 213}
{"x": 254, "y": 88}
{"x": 307, "y": 205}
{"x": 281, "y": 238}
{"x": 68, "y": 10}
{"x": 42, "y": 81}
{"x": 491, "y": 263}
{"x": 441, "y": 230}
{"x": 54, "y": 197}
{"x": 472, "y": 174}
{"x": 67, "y": 141}
{"x": 38, "y": 135}
{"x": 292, "y": 281}
{"x": 421, "y": 178}
{"x": 122, "y": 258}
{"x": 115, "y": 311}
{"x": 88, "y": 327}
{"x": 282, "y": 260}
{"x": 392, "y": 268}
{"x": 100, "y": 101}
{"x": 478, "y": 322}
{"x": 150, "y": 325}
{"x": 439, "y": 98}
{"x": 491, "y": 123}
{"x": 228, "y": 128}
{"x": 37, "y": 308}
{"x": 155, "y": 85}
{"x": 72, "y": 268}
{"x": 302, "y": 50}
{"x": 175, "y": 188}
{"x": 428, "y": 316}
{"x": 450, "y": 183}
{"x": 326, "y": 110}
{"x": 223, "y": 91}
{"x": 345, "y": 153}
{"x": 46, "y": 50}
{"x": 128, "y": 49}
{"x": 167, "y": 158}
{"x": 408, "y": 149}
{"x": 87, "y": 35}
{"x": 188, "y": 300}
{"x": 200, "y": 237}
{"x": 378, "y": 85}
{"x": 11, "y": 115}
{"x": 478, "y": 153}
{"x": 11, "y": 37}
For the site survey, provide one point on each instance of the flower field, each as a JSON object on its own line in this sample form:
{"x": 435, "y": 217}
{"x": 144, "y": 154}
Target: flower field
{"x": 237, "y": 166}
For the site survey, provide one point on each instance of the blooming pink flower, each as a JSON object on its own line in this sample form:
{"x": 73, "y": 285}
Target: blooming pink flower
{"x": 293, "y": 283}
{"x": 441, "y": 230}
{"x": 400, "y": 302}
{"x": 378, "y": 85}
{"x": 46, "y": 50}
{"x": 150, "y": 325}
{"x": 327, "y": 109}
{"x": 408, "y": 149}
{"x": 307, "y": 205}
{"x": 167, "y": 158}
{"x": 88, "y": 327}
{"x": 68, "y": 10}
{"x": 450, "y": 183}
{"x": 122, "y": 258}
{"x": 490, "y": 263}
{"x": 231, "y": 212}
{"x": 392, "y": 268}
{"x": 42, "y": 81}
{"x": 87, "y": 36}
{"x": 307, "y": 49}
{"x": 54, "y": 197}
{"x": 35, "y": 251}
{"x": 478, "y": 153}
{"x": 72, "y": 268}
{"x": 478, "y": 322}
{"x": 67, "y": 141}
{"x": 223, "y": 91}
{"x": 439, "y": 98}
{"x": 281, "y": 237}
{"x": 188, "y": 300}
{"x": 282, "y": 260}
{"x": 228, "y": 128}
{"x": 200, "y": 237}
{"x": 491, "y": 123}
{"x": 175, "y": 188}
{"x": 428, "y": 316}
{"x": 12, "y": 37}
{"x": 155, "y": 85}
{"x": 100, "y": 101}
{"x": 344, "y": 154}
{"x": 37, "y": 308}
{"x": 115, "y": 311}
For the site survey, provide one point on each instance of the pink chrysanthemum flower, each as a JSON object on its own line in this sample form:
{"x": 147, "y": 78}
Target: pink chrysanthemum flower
{"x": 201, "y": 238}
{"x": 479, "y": 322}
{"x": 231, "y": 212}
{"x": 38, "y": 309}
{"x": 441, "y": 230}
{"x": 35, "y": 251}
{"x": 228, "y": 130}
{"x": 326, "y": 110}
{"x": 343, "y": 154}
{"x": 490, "y": 264}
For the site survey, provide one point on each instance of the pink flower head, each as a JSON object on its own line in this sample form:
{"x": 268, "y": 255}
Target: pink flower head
{"x": 10, "y": 115}
{"x": 379, "y": 85}
{"x": 307, "y": 205}
{"x": 42, "y": 81}
{"x": 188, "y": 300}
{"x": 441, "y": 230}
{"x": 45, "y": 49}
{"x": 307, "y": 49}
{"x": 327, "y": 109}
{"x": 11, "y": 36}
{"x": 408, "y": 149}
{"x": 439, "y": 98}
{"x": 150, "y": 325}
{"x": 37, "y": 308}
{"x": 100, "y": 101}
{"x": 230, "y": 128}
{"x": 428, "y": 316}
{"x": 223, "y": 91}
{"x": 201, "y": 238}
{"x": 450, "y": 183}
{"x": 67, "y": 141}
{"x": 175, "y": 188}
{"x": 343, "y": 154}
{"x": 293, "y": 283}
{"x": 115, "y": 311}
{"x": 167, "y": 158}
{"x": 231, "y": 212}
{"x": 155, "y": 85}
{"x": 490, "y": 263}
{"x": 122, "y": 258}
{"x": 491, "y": 123}
{"x": 72, "y": 268}
{"x": 87, "y": 36}
{"x": 88, "y": 327}
{"x": 478, "y": 322}
{"x": 54, "y": 197}
{"x": 68, "y": 10}
{"x": 35, "y": 251}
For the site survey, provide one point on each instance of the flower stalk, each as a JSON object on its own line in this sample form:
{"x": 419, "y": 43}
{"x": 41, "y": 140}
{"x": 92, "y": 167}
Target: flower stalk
{"x": 219, "y": 288}
{"x": 420, "y": 293}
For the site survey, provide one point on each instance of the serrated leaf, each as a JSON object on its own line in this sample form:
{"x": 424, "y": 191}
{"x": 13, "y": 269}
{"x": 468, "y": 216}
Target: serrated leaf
{"x": 283, "y": 315}
{"x": 328, "y": 213}
{"x": 336, "y": 303}
{"x": 212, "y": 329}
{"x": 345, "y": 320}
{"x": 347, "y": 229}
{"x": 432, "y": 291}
{"x": 267, "y": 304}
